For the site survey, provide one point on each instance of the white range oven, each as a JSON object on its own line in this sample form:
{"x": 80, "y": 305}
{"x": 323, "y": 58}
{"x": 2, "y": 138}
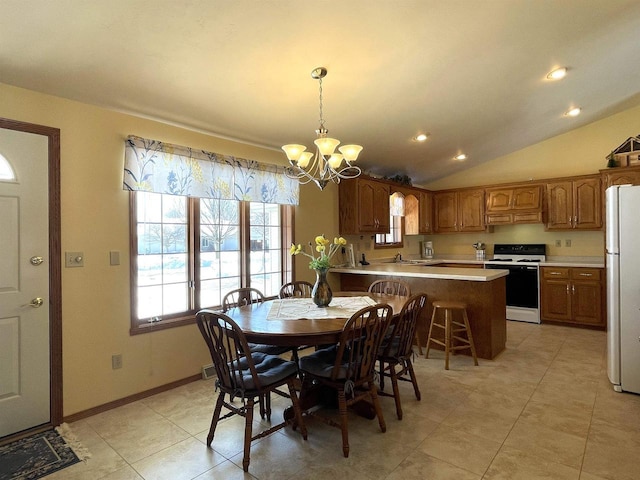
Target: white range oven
{"x": 523, "y": 281}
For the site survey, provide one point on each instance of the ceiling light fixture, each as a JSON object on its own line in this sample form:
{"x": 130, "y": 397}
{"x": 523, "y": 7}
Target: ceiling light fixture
{"x": 460, "y": 157}
{"x": 574, "y": 112}
{"x": 326, "y": 165}
{"x": 421, "y": 137}
{"x": 557, "y": 74}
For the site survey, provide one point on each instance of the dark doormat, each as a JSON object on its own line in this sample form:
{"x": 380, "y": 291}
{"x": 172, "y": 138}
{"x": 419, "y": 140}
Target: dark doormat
{"x": 35, "y": 456}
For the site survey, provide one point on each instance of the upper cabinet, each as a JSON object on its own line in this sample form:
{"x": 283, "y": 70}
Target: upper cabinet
{"x": 575, "y": 204}
{"x": 514, "y": 204}
{"x": 426, "y": 213}
{"x": 459, "y": 211}
{"x": 621, "y": 176}
{"x": 364, "y": 206}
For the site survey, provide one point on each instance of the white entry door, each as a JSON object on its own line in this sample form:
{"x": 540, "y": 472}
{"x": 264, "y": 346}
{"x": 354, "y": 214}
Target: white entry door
{"x": 24, "y": 282}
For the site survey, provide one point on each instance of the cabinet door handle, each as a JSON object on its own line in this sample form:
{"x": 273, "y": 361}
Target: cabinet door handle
{"x": 567, "y": 288}
{"x": 555, "y": 273}
{"x": 575, "y": 220}
{"x": 573, "y": 289}
{"x": 586, "y": 274}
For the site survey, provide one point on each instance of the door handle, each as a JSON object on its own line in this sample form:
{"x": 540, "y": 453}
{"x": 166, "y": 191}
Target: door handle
{"x": 35, "y": 303}
{"x": 36, "y": 260}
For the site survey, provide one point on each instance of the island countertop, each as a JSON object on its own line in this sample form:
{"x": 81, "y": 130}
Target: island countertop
{"x": 425, "y": 271}
{"x": 483, "y": 291}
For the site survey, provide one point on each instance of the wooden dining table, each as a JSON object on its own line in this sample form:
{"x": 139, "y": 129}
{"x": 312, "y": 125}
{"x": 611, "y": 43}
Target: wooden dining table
{"x": 295, "y": 332}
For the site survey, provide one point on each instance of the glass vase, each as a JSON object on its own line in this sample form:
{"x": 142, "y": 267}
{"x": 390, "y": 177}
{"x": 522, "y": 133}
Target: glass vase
{"x": 321, "y": 293}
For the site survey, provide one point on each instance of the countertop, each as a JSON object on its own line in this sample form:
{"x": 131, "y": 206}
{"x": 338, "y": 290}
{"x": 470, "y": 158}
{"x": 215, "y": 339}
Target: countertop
{"x": 424, "y": 271}
{"x": 429, "y": 268}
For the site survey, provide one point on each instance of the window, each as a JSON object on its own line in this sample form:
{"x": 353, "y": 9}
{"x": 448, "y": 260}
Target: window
{"x": 189, "y": 252}
{"x": 394, "y": 237}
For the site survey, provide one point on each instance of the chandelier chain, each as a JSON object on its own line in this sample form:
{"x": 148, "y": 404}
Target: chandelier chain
{"x": 320, "y": 90}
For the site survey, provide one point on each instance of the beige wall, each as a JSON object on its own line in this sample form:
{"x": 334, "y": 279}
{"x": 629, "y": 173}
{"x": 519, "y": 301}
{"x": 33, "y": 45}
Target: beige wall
{"x": 95, "y": 303}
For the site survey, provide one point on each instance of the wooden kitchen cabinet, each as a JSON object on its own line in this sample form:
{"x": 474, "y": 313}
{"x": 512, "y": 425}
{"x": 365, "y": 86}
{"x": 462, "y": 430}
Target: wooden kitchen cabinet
{"x": 363, "y": 206}
{"x": 621, "y": 176}
{"x": 514, "y": 204}
{"x": 572, "y": 295}
{"x": 459, "y": 211}
{"x": 574, "y": 204}
{"x": 426, "y": 213}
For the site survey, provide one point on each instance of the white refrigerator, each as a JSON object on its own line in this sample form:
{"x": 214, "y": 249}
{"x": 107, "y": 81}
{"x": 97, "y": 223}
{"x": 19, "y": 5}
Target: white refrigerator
{"x": 623, "y": 287}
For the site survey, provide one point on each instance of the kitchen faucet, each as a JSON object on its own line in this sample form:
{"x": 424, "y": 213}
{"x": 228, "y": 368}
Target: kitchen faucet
{"x": 398, "y": 257}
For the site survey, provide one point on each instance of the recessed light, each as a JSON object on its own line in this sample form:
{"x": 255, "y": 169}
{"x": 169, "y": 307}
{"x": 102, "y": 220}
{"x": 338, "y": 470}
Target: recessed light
{"x": 460, "y": 157}
{"x": 574, "y": 112}
{"x": 422, "y": 137}
{"x": 557, "y": 74}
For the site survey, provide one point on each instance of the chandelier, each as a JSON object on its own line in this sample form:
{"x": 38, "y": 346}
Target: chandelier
{"x": 325, "y": 165}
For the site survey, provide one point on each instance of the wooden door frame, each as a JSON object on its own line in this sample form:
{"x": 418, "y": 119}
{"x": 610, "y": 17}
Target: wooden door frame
{"x": 55, "y": 265}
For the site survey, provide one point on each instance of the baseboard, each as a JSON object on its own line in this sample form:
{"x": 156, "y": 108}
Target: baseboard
{"x": 130, "y": 399}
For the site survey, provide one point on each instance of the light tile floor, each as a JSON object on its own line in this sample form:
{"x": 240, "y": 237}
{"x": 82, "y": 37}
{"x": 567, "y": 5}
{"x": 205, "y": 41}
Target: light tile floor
{"x": 542, "y": 409}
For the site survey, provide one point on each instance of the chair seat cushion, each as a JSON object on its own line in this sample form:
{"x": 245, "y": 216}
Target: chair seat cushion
{"x": 322, "y": 362}
{"x": 392, "y": 344}
{"x": 270, "y": 369}
{"x": 269, "y": 349}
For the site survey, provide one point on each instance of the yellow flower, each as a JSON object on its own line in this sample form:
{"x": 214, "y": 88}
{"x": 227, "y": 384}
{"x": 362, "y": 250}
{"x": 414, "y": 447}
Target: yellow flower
{"x": 321, "y": 259}
{"x": 320, "y": 240}
{"x": 295, "y": 250}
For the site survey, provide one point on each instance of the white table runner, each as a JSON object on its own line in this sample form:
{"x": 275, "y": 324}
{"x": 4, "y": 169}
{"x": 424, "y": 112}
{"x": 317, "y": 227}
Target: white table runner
{"x": 297, "y": 308}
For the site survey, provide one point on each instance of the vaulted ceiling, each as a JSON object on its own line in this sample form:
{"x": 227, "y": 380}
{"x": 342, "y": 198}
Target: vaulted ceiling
{"x": 470, "y": 73}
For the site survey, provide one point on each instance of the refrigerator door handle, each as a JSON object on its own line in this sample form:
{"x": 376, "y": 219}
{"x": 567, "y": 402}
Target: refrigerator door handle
{"x": 612, "y": 243}
{"x": 613, "y": 318}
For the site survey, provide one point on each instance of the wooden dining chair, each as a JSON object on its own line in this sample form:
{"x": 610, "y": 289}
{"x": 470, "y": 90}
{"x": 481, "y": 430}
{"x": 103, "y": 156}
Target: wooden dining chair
{"x": 394, "y": 287}
{"x": 348, "y": 367}
{"x": 245, "y": 374}
{"x": 243, "y": 297}
{"x": 299, "y": 288}
{"x": 397, "y": 349}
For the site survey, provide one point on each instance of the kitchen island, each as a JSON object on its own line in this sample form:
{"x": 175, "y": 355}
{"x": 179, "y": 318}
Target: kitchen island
{"x": 483, "y": 291}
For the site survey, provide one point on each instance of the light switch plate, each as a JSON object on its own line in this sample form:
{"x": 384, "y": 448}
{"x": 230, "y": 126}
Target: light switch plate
{"x": 114, "y": 257}
{"x": 73, "y": 259}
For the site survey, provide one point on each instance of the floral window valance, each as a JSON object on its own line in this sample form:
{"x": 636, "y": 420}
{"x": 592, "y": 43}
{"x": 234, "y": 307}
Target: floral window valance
{"x": 153, "y": 166}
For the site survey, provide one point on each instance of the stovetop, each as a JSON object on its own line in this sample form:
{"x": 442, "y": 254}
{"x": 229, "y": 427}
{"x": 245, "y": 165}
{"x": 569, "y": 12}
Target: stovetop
{"x": 520, "y": 252}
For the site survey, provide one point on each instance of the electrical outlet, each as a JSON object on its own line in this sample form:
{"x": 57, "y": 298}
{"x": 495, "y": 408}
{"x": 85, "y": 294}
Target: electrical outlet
{"x": 558, "y": 243}
{"x": 567, "y": 243}
{"x": 116, "y": 361}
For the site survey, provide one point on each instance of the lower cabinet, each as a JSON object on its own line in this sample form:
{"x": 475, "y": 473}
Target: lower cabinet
{"x": 573, "y": 295}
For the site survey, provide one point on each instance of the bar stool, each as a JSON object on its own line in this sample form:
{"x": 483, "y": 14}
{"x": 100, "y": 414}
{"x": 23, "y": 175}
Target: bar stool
{"x": 451, "y": 333}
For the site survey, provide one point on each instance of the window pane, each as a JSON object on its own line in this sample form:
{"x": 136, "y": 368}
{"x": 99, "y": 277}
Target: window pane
{"x": 149, "y": 207}
{"x": 219, "y": 228}
{"x": 229, "y": 264}
{"x": 149, "y": 301}
{"x": 174, "y": 209}
{"x": 210, "y": 293}
{"x": 175, "y": 298}
{"x": 174, "y": 268}
{"x": 149, "y": 270}
{"x": 174, "y": 238}
{"x": 149, "y": 238}
{"x": 209, "y": 266}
